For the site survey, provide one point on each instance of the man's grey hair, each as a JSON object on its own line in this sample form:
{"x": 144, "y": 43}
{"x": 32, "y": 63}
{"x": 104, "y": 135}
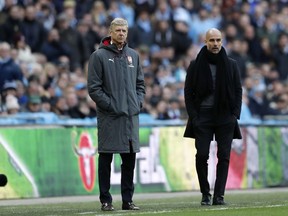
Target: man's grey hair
{"x": 5, "y": 45}
{"x": 118, "y": 22}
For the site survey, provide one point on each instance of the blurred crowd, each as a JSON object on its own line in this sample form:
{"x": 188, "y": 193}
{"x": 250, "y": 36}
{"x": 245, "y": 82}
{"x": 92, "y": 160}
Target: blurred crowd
{"x": 45, "y": 46}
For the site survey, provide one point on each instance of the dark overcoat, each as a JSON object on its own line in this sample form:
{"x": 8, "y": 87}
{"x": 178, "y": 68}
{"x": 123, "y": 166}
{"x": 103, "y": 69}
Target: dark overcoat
{"x": 116, "y": 84}
{"x": 192, "y": 108}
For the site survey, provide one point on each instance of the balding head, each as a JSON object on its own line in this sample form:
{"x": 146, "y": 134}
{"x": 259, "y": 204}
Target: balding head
{"x": 213, "y": 40}
{"x": 5, "y": 50}
{"x": 213, "y": 32}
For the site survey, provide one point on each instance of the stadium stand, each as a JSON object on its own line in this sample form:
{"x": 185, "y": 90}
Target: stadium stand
{"x": 45, "y": 46}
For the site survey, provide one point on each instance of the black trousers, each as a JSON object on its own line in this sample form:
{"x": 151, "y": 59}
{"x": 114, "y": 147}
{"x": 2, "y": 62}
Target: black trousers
{"x": 206, "y": 126}
{"x": 127, "y": 174}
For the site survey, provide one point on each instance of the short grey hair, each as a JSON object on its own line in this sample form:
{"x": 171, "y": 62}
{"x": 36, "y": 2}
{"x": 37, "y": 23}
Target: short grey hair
{"x": 118, "y": 22}
{"x": 5, "y": 45}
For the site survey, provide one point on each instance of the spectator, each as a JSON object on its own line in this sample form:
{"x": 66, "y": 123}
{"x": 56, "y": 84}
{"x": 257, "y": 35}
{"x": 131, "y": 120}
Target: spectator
{"x": 61, "y": 84}
{"x": 237, "y": 54}
{"x": 162, "y": 110}
{"x": 21, "y": 95}
{"x": 163, "y": 11}
{"x": 180, "y": 38}
{"x": 79, "y": 53}
{"x": 69, "y": 7}
{"x": 126, "y": 8}
{"x": 83, "y": 7}
{"x": 53, "y": 48}
{"x": 92, "y": 107}
{"x": 60, "y": 107}
{"x": 174, "y": 6}
{"x": 90, "y": 37}
{"x": 46, "y": 104}
{"x": 77, "y": 108}
{"x": 246, "y": 114}
{"x": 156, "y": 95}
{"x": 51, "y": 73}
{"x": 281, "y": 104}
{"x": 270, "y": 74}
{"x": 32, "y": 30}
{"x": 163, "y": 42}
{"x": 9, "y": 89}
{"x": 258, "y": 16}
{"x": 254, "y": 46}
{"x": 12, "y": 27}
{"x": 11, "y": 105}
{"x": 142, "y": 32}
{"x": 145, "y": 58}
{"x": 34, "y": 104}
{"x": 164, "y": 76}
{"x": 231, "y": 33}
{"x": 267, "y": 53}
{"x": 84, "y": 110}
{"x": 81, "y": 91}
{"x": 141, "y": 5}
{"x": 254, "y": 32}
{"x": 258, "y": 103}
{"x": 201, "y": 21}
{"x": 147, "y": 108}
{"x": 45, "y": 15}
{"x": 99, "y": 13}
{"x": 275, "y": 91}
{"x": 182, "y": 107}
{"x": 281, "y": 56}
{"x": 63, "y": 65}
{"x": 179, "y": 71}
{"x": 149, "y": 79}
{"x": 242, "y": 22}
{"x": 5, "y": 10}
{"x": 174, "y": 109}
{"x": 269, "y": 29}
{"x": 10, "y": 71}
{"x": 113, "y": 10}
{"x": 24, "y": 51}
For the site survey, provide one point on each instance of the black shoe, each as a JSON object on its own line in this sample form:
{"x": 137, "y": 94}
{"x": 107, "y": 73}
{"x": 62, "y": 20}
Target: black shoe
{"x": 219, "y": 200}
{"x": 107, "y": 207}
{"x": 129, "y": 206}
{"x": 206, "y": 199}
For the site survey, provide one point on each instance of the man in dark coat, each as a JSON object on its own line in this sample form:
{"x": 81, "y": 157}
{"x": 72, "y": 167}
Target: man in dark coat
{"x": 116, "y": 84}
{"x": 79, "y": 48}
{"x": 213, "y": 97}
{"x": 32, "y": 29}
{"x": 11, "y": 28}
{"x": 53, "y": 48}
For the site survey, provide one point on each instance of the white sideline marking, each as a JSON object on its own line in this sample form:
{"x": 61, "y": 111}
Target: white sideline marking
{"x": 21, "y": 165}
{"x": 244, "y": 207}
{"x": 125, "y": 213}
{"x": 166, "y": 211}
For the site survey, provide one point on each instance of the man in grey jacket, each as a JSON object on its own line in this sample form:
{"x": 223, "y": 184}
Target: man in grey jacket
{"x": 116, "y": 84}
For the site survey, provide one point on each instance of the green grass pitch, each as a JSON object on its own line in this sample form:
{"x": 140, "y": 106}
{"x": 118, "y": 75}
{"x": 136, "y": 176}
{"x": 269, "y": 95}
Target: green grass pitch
{"x": 270, "y": 202}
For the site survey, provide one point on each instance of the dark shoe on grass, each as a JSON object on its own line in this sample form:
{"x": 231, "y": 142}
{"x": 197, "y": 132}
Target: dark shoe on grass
{"x": 129, "y": 206}
{"x": 206, "y": 199}
{"x": 219, "y": 200}
{"x": 107, "y": 207}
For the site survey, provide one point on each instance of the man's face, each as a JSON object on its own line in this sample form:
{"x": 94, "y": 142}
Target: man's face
{"x": 214, "y": 41}
{"x": 53, "y": 35}
{"x": 119, "y": 34}
{"x": 5, "y": 50}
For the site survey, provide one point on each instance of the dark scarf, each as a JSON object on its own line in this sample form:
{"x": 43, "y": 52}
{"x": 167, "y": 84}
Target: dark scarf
{"x": 202, "y": 79}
